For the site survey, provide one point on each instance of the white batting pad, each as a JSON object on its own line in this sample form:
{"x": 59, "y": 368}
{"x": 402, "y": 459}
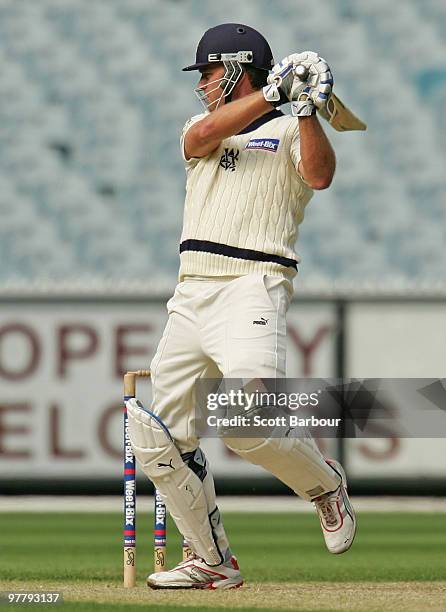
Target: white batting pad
{"x": 297, "y": 462}
{"x": 181, "y": 489}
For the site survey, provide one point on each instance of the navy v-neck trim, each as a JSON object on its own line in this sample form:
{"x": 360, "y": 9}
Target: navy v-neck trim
{"x": 261, "y": 120}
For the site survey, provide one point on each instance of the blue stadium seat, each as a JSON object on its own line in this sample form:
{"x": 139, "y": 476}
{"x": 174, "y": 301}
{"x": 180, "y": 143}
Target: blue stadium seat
{"x": 93, "y": 101}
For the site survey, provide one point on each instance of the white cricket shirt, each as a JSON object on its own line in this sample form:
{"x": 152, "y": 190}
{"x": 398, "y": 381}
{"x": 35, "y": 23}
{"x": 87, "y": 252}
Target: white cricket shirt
{"x": 244, "y": 202}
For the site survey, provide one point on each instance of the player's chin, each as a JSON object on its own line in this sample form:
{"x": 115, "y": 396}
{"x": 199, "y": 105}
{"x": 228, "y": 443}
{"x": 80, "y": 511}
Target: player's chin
{"x": 215, "y": 106}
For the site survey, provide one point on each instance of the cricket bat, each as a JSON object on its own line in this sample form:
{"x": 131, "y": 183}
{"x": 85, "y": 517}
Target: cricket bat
{"x": 339, "y": 116}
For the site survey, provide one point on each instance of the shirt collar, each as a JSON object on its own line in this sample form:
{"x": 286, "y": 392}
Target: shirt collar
{"x": 261, "y": 120}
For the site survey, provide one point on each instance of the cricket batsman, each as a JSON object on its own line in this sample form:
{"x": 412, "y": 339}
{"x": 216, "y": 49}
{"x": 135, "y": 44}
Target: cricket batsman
{"x": 250, "y": 172}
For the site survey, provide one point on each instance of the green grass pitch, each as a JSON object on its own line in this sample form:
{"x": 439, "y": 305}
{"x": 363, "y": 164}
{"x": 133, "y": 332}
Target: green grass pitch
{"x": 397, "y": 559}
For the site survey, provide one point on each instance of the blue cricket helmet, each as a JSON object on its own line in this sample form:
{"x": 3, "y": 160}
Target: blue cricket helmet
{"x": 233, "y": 38}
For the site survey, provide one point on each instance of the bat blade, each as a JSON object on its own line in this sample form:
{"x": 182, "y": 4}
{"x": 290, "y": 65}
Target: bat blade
{"x": 340, "y": 117}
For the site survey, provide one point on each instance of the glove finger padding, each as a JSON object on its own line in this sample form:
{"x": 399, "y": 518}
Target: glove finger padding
{"x": 283, "y": 84}
{"x": 319, "y": 80}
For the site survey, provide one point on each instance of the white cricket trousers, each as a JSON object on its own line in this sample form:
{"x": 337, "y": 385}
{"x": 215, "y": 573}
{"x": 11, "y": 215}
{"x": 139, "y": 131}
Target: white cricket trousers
{"x": 235, "y": 327}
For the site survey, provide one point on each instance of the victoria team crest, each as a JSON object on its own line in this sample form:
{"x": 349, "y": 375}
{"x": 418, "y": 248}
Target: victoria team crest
{"x": 229, "y": 159}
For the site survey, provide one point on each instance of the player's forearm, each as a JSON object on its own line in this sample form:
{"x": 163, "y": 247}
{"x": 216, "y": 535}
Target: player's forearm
{"x": 228, "y": 120}
{"x": 231, "y": 118}
{"x": 318, "y": 161}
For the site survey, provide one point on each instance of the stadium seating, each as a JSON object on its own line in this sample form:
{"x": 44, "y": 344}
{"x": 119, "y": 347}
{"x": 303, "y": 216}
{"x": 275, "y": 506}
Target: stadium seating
{"x": 92, "y": 102}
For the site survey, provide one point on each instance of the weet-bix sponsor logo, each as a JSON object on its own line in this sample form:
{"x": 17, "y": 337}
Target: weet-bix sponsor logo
{"x": 265, "y": 144}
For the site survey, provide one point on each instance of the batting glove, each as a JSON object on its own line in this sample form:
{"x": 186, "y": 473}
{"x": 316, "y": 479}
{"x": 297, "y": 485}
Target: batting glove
{"x": 304, "y": 106}
{"x": 309, "y": 91}
{"x": 283, "y": 84}
{"x": 318, "y": 81}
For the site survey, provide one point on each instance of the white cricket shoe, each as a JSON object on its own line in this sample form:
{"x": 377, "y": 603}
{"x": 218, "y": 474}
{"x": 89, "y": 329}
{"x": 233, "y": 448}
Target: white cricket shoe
{"x": 336, "y": 514}
{"x": 195, "y": 574}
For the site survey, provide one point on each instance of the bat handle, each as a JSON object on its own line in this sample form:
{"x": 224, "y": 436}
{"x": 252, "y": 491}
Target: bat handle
{"x": 301, "y": 72}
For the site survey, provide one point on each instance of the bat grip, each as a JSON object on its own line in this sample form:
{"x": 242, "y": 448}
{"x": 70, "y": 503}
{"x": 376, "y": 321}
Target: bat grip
{"x": 302, "y": 72}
